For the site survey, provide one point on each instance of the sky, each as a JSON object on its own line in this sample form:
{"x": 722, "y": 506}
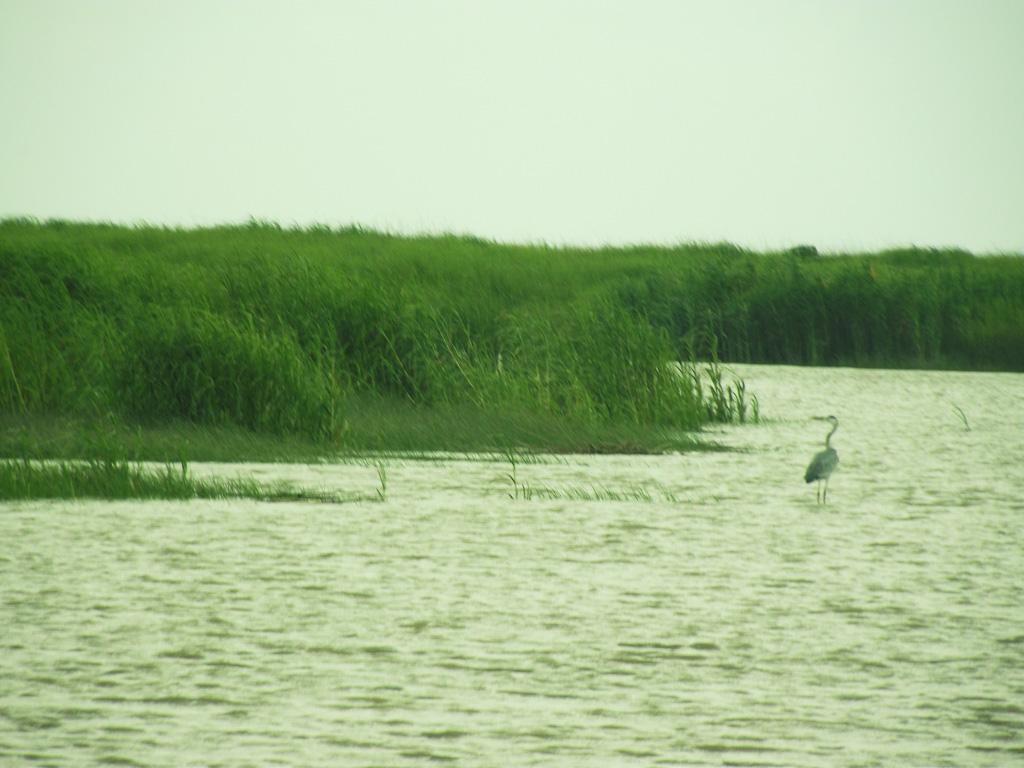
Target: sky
{"x": 854, "y": 125}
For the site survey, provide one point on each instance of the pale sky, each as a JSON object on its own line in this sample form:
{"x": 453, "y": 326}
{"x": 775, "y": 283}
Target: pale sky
{"x": 859, "y": 124}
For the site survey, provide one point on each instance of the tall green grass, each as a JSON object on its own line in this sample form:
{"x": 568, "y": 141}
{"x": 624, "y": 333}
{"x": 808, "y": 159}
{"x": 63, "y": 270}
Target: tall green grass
{"x": 106, "y": 469}
{"x": 353, "y": 339}
{"x": 115, "y": 479}
{"x": 108, "y": 480}
{"x": 899, "y": 308}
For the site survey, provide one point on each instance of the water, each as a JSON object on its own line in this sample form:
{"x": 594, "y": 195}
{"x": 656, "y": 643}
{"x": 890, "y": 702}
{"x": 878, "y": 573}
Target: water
{"x": 707, "y": 612}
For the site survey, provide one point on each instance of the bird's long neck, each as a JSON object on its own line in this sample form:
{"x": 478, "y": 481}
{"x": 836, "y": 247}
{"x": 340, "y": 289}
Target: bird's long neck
{"x": 828, "y": 437}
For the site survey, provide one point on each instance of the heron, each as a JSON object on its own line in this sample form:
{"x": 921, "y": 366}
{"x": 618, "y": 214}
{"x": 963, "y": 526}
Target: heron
{"x": 824, "y": 463}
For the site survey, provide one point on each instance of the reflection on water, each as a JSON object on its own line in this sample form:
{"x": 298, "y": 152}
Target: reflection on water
{"x": 725, "y": 618}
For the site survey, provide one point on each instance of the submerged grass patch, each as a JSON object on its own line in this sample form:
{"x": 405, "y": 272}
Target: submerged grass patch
{"x": 112, "y": 480}
{"x": 636, "y": 493}
{"x": 106, "y": 480}
{"x": 109, "y": 464}
{"x": 524, "y": 490}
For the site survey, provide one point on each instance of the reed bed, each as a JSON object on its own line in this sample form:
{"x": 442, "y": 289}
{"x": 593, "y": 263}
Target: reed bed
{"x": 121, "y": 479}
{"x": 110, "y": 480}
{"x": 353, "y": 340}
{"x": 908, "y": 308}
{"x": 105, "y": 471}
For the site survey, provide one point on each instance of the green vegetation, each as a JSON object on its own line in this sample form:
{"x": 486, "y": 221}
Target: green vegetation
{"x": 348, "y": 341}
{"x": 105, "y": 471}
{"x": 265, "y": 343}
{"x": 111, "y": 480}
{"x": 908, "y": 308}
{"x": 122, "y": 479}
{"x": 524, "y": 490}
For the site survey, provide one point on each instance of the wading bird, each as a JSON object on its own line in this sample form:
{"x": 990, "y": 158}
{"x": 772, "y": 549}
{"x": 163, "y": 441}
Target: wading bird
{"x": 821, "y": 465}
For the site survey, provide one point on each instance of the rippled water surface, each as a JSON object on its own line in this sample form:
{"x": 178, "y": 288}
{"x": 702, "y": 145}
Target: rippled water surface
{"x": 672, "y": 610}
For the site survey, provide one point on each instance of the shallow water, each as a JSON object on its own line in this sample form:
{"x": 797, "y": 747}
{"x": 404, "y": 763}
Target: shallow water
{"x": 707, "y": 611}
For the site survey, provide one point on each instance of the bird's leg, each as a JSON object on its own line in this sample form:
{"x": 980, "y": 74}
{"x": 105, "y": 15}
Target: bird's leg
{"x": 824, "y": 496}
{"x": 819, "y": 491}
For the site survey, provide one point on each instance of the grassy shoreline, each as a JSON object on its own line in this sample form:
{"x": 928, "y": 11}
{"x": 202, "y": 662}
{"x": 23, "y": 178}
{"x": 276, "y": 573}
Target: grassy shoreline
{"x": 262, "y": 343}
{"x": 113, "y": 480}
{"x": 349, "y": 340}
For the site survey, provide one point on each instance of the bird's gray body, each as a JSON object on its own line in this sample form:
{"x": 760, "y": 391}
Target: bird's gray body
{"x": 824, "y": 463}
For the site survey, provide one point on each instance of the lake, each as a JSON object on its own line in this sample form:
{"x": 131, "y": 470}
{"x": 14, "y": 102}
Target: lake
{"x": 685, "y": 609}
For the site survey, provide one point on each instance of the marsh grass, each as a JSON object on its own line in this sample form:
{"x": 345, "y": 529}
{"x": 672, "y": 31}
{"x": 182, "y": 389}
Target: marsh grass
{"x": 345, "y": 341}
{"x": 350, "y": 340}
{"x": 524, "y": 490}
{"x": 634, "y": 493}
{"x": 962, "y": 416}
{"x": 333, "y": 342}
{"x": 120, "y": 479}
{"x": 106, "y": 480}
{"x": 905, "y": 308}
{"x": 382, "y": 474}
{"x": 112, "y": 467}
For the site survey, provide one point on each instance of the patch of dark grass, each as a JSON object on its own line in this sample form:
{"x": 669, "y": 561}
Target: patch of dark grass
{"x": 22, "y": 480}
